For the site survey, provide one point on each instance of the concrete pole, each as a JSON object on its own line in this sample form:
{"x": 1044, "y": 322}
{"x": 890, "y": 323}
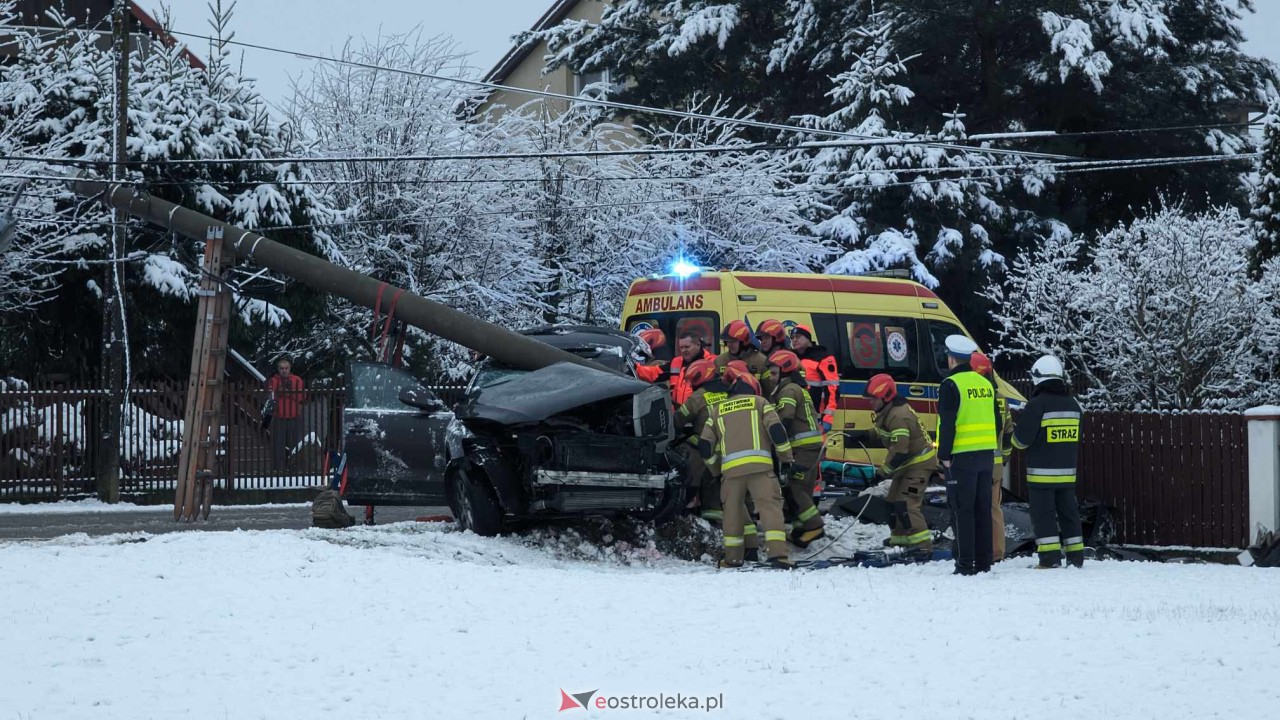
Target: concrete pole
{"x": 509, "y": 348}
{"x": 1264, "y": 468}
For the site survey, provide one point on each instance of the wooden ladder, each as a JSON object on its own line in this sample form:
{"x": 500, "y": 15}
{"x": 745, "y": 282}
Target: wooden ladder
{"x": 202, "y": 426}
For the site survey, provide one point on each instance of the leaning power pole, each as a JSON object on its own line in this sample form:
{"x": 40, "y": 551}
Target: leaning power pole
{"x": 113, "y": 323}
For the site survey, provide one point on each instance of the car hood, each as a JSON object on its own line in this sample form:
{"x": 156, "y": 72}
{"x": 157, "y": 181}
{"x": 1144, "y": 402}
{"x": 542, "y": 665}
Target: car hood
{"x": 538, "y": 395}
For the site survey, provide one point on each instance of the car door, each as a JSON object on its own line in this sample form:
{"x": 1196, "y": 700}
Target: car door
{"x": 396, "y": 453}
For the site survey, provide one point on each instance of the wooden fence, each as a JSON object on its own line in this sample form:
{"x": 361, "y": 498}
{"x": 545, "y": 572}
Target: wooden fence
{"x": 47, "y": 451}
{"x": 1173, "y": 478}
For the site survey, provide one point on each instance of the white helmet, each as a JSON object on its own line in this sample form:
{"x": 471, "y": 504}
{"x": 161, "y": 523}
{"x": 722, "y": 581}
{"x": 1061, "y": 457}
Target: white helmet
{"x": 1048, "y": 368}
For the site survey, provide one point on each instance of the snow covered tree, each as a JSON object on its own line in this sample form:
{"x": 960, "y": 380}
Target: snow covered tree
{"x": 1266, "y": 197}
{"x": 514, "y": 224}
{"x": 1161, "y": 313}
{"x": 898, "y": 68}
{"x": 60, "y": 91}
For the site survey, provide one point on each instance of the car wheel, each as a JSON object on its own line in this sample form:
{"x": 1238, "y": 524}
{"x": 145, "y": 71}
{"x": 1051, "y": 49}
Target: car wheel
{"x": 477, "y": 506}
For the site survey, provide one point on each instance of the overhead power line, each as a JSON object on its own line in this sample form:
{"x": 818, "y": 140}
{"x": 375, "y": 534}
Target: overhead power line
{"x": 612, "y": 104}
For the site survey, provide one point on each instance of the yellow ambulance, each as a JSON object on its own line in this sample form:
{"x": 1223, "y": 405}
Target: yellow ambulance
{"x": 871, "y": 324}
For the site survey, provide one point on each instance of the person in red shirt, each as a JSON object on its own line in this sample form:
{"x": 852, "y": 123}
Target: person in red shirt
{"x": 288, "y": 392}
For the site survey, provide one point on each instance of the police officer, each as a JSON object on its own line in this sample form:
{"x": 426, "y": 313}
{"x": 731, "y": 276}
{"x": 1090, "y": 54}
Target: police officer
{"x": 737, "y": 342}
{"x": 911, "y": 460}
{"x": 795, "y": 410}
{"x": 1049, "y": 431}
{"x": 738, "y": 443}
{"x": 820, "y": 373}
{"x": 708, "y": 389}
{"x": 968, "y": 428}
{"x": 981, "y": 364}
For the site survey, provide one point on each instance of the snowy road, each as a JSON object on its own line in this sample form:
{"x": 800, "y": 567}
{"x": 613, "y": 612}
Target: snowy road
{"x": 417, "y": 620}
{"x": 50, "y": 520}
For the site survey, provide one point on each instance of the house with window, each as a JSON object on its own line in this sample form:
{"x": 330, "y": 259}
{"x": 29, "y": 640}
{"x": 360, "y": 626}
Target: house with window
{"x": 93, "y": 16}
{"x": 522, "y": 66}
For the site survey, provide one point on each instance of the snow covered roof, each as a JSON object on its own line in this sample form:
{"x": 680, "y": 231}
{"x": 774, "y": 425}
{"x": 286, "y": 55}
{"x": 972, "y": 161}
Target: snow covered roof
{"x": 516, "y": 55}
{"x": 96, "y": 14}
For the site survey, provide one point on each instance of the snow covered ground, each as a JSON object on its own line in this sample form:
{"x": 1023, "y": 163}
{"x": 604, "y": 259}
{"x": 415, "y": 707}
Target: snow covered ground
{"x": 418, "y": 620}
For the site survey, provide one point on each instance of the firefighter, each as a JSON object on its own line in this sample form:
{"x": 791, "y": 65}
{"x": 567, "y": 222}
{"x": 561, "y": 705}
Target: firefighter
{"x": 737, "y": 342}
{"x": 981, "y": 364}
{"x": 708, "y": 389}
{"x": 649, "y": 368}
{"x": 820, "y": 372}
{"x": 772, "y": 336}
{"x": 968, "y": 428}
{"x": 1049, "y": 431}
{"x": 738, "y": 443}
{"x": 690, "y": 347}
{"x": 795, "y": 410}
{"x": 910, "y": 462}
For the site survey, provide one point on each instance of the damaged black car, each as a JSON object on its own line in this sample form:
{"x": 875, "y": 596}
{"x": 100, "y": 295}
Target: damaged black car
{"x": 521, "y": 447}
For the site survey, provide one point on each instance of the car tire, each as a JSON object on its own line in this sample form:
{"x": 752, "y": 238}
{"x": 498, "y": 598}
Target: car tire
{"x": 475, "y": 504}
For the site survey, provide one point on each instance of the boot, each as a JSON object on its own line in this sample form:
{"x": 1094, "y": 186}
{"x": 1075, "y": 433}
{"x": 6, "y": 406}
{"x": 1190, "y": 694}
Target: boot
{"x": 751, "y": 555}
{"x": 781, "y": 563}
{"x": 802, "y": 538}
{"x": 1048, "y": 566}
{"x": 728, "y": 565}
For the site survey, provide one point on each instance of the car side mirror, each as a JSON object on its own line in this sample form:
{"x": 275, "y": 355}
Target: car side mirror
{"x": 421, "y": 398}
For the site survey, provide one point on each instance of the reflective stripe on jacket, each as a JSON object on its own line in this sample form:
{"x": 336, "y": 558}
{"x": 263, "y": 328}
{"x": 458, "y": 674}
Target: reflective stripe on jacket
{"x": 823, "y": 378}
{"x": 741, "y": 435}
{"x": 900, "y": 431}
{"x": 795, "y": 410}
{"x": 1049, "y": 430}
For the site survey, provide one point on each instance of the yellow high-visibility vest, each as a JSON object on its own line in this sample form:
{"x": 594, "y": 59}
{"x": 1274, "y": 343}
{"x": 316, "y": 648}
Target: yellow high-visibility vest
{"x": 976, "y": 418}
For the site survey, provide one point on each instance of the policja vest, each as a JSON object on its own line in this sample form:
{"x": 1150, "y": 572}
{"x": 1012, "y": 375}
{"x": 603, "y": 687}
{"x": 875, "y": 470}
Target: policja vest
{"x": 976, "y": 418}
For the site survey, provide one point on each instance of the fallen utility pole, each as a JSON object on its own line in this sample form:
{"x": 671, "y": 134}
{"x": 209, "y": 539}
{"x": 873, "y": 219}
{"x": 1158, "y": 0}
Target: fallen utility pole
{"x": 224, "y": 244}
{"x": 499, "y": 343}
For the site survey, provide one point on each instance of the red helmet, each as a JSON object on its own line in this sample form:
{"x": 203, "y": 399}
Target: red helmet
{"x": 654, "y": 337}
{"x": 737, "y": 372}
{"x": 774, "y": 329}
{"x": 882, "y": 387}
{"x": 700, "y": 372}
{"x": 785, "y": 360}
{"x": 737, "y": 330}
{"x": 981, "y": 364}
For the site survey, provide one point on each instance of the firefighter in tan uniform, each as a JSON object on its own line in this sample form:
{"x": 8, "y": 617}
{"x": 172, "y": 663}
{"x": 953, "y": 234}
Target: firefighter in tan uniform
{"x": 692, "y": 415}
{"x": 795, "y": 409}
{"x": 738, "y": 443}
{"x": 910, "y": 461}
{"x": 737, "y": 342}
{"x": 981, "y": 364}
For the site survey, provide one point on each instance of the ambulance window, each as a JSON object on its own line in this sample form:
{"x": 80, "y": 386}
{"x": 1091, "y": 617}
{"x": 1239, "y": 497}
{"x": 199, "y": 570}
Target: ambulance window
{"x": 939, "y": 331}
{"x": 673, "y": 325}
{"x": 878, "y": 345}
{"x": 703, "y": 326}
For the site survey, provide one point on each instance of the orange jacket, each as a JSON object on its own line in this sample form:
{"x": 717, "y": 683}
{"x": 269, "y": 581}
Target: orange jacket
{"x": 681, "y": 390}
{"x": 823, "y": 378}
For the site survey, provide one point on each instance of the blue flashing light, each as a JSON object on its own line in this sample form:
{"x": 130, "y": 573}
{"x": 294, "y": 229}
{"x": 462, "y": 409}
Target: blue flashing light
{"x": 684, "y": 269}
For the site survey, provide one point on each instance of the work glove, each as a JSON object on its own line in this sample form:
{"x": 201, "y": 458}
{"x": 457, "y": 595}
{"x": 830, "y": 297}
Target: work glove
{"x": 784, "y": 474}
{"x": 797, "y": 472}
{"x": 857, "y": 436}
{"x": 826, "y": 427}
